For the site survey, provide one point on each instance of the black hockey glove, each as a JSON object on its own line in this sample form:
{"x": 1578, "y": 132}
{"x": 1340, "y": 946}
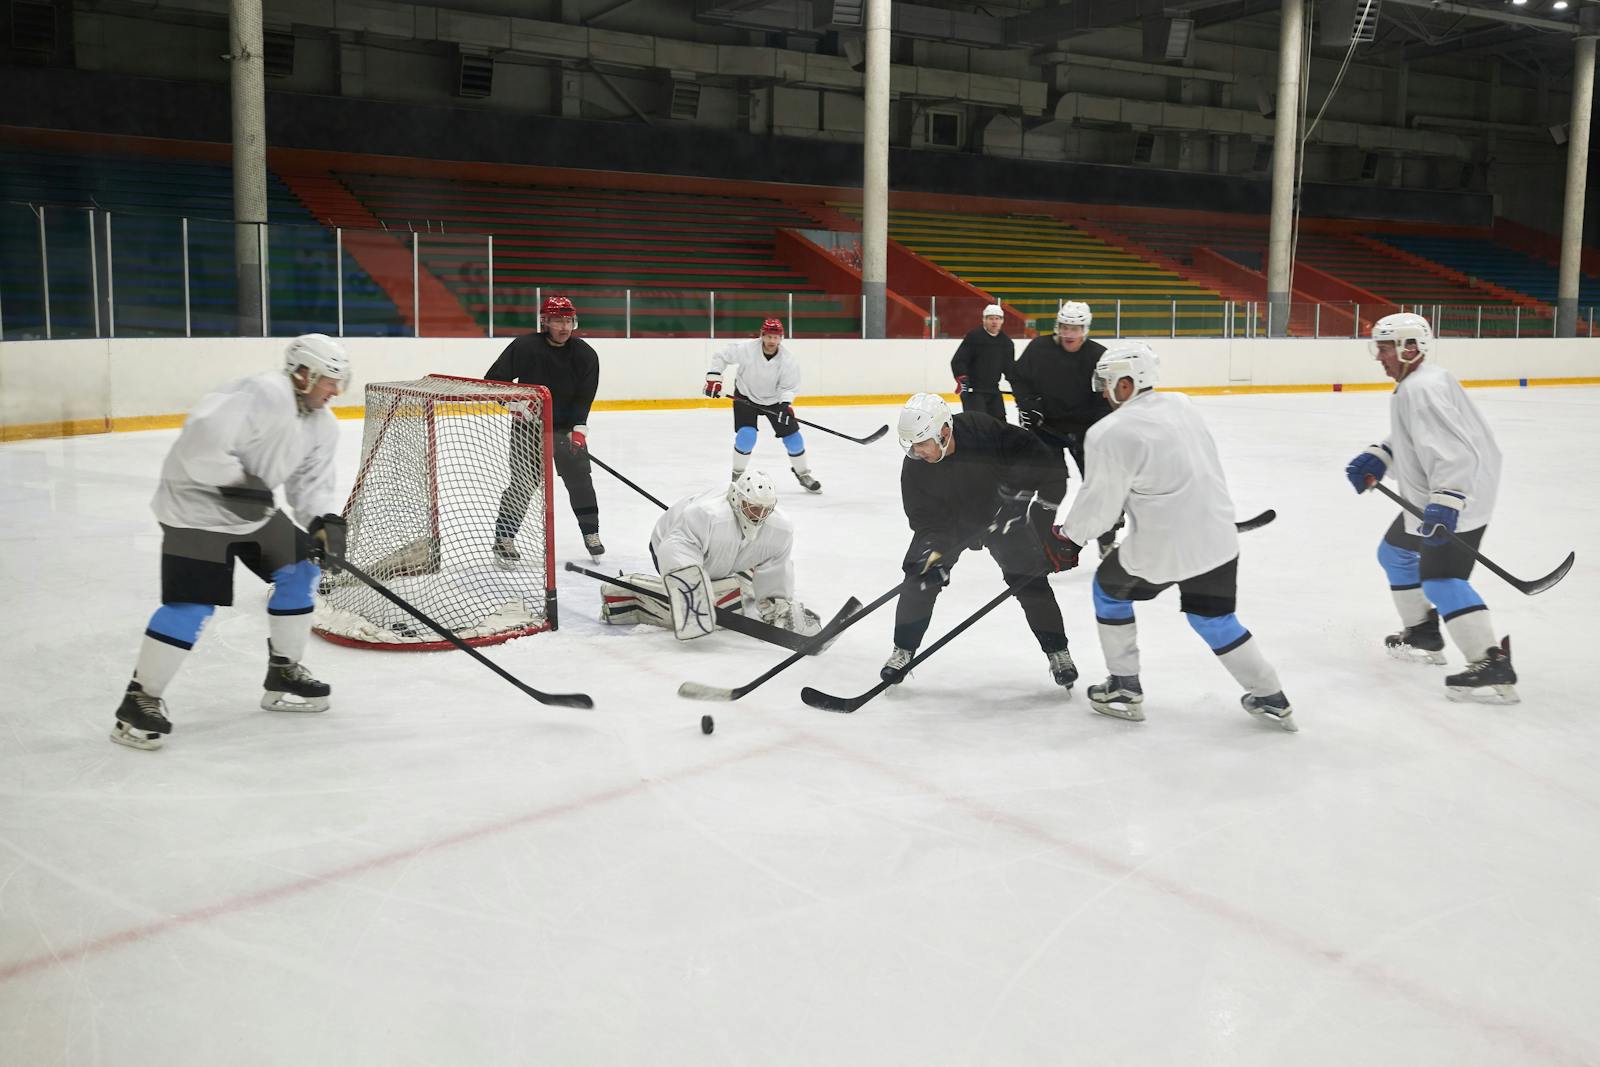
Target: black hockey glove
{"x": 930, "y": 571}
{"x": 1011, "y": 513}
{"x": 327, "y": 537}
{"x": 1060, "y": 550}
{"x": 247, "y": 503}
{"x": 1029, "y": 417}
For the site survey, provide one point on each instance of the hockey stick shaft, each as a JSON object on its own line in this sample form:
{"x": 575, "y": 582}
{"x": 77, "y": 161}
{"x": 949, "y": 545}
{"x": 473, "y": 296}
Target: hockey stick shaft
{"x": 867, "y": 440}
{"x": 728, "y": 620}
{"x": 625, "y": 480}
{"x": 1538, "y": 585}
{"x": 566, "y": 700}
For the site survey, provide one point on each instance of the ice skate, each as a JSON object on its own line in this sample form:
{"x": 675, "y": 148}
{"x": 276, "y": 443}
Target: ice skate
{"x": 290, "y": 687}
{"x": 894, "y": 668}
{"x": 1062, "y": 669}
{"x": 1275, "y": 707}
{"x": 1119, "y": 696}
{"x": 1488, "y": 681}
{"x": 810, "y": 483}
{"x": 1422, "y": 643}
{"x": 505, "y": 550}
{"x": 592, "y": 542}
{"x": 141, "y": 720}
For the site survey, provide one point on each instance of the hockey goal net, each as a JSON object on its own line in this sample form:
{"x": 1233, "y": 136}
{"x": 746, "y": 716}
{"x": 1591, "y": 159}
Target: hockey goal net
{"x": 448, "y": 466}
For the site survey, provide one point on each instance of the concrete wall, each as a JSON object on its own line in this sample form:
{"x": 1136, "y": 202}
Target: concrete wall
{"x": 57, "y": 387}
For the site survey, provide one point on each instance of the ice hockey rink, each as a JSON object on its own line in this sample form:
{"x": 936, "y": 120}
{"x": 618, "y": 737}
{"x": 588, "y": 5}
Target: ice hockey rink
{"x": 972, "y": 869}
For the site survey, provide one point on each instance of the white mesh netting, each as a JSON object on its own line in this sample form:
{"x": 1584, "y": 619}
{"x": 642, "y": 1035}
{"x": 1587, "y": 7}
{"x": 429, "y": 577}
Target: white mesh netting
{"x": 448, "y": 467}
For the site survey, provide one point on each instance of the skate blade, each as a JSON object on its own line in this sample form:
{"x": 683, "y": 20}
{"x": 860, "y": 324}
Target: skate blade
{"x": 1285, "y": 722}
{"x": 1407, "y": 654}
{"x": 1119, "y": 709}
{"x": 1483, "y": 694}
{"x": 143, "y": 740}
{"x": 289, "y": 702}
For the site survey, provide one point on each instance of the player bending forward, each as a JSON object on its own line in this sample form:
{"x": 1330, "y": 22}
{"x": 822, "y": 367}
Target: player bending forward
{"x": 1446, "y": 462}
{"x": 707, "y": 548}
{"x": 1153, "y": 457}
{"x": 769, "y": 376}
{"x": 215, "y": 505}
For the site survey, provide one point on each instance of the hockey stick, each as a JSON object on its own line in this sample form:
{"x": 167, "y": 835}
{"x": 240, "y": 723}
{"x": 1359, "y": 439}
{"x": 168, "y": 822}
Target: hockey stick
{"x": 619, "y": 476}
{"x": 846, "y": 618}
{"x": 818, "y": 699}
{"x": 1538, "y": 585}
{"x": 565, "y": 700}
{"x": 728, "y": 620}
{"x": 867, "y": 440}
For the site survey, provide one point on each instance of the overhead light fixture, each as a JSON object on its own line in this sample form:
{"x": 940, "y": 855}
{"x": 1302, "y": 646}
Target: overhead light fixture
{"x": 1559, "y": 5}
{"x": 1519, "y": 3}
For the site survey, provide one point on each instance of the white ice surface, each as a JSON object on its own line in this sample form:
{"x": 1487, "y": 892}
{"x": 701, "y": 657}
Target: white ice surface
{"x": 971, "y": 869}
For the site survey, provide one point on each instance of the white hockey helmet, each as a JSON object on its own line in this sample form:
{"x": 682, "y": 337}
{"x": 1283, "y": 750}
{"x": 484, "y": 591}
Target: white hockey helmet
{"x": 924, "y": 418}
{"x": 320, "y": 354}
{"x": 1075, "y": 313}
{"x": 993, "y": 309}
{"x": 1401, "y": 329}
{"x": 752, "y": 497}
{"x": 1128, "y": 359}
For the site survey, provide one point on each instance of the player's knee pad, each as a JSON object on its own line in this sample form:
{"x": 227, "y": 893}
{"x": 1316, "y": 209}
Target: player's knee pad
{"x": 744, "y": 439}
{"x": 794, "y": 444}
{"x": 1451, "y": 596}
{"x": 179, "y": 624}
{"x": 1221, "y": 632}
{"x": 1108, "y": 607}
{"x": 291, "y": 588}
{"x": 1402, "y": 565}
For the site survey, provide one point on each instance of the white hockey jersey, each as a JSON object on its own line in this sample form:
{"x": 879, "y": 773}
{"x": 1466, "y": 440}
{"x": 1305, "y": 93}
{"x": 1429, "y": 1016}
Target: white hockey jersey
{"x": 766, "y": 381}
{"x": 703, "y": 530}
{"x": 248, "y": 433}
{"x": 1154, "y": 458}
{"x": 1440, "y": 441}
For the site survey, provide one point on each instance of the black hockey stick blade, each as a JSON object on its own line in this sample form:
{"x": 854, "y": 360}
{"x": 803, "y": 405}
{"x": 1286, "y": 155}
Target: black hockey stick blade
{"x": 728, "y": 620}
{"x": 564, "y": 700}
{"x": 1537, "y": 585}
{"x": 619, "y": 476}
{"x": 867, "y": 440}
{"x": 842, "y": 621}
{"x": 1256, "y": 523}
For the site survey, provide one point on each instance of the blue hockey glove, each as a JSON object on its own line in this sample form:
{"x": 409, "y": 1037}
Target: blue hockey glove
{"x": 1370, "y": 464}
{"x": 1439, "y": 518}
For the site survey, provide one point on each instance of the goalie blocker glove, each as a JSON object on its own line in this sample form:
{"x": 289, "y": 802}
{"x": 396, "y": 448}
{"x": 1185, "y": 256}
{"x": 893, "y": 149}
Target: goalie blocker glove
{"x": 327, "y": 537}
{"x": 1372, "y": 463}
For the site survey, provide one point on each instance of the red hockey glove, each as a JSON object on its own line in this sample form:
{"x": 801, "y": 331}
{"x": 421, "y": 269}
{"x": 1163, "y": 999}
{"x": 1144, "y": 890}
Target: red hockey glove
{"x": 713, "y": 384}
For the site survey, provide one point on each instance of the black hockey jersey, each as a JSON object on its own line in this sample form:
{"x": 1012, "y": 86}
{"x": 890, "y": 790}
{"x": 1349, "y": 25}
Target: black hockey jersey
{"x": 571, "y": 373}
{"x": 1049, "y": 379}
{"x": 983, "y": 358}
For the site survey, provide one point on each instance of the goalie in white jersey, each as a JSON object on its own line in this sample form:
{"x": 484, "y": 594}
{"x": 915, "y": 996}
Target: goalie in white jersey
{"x": 713, "y": 550}
{"x": 1445, "y": 462}
{"x": 215, "y": 505}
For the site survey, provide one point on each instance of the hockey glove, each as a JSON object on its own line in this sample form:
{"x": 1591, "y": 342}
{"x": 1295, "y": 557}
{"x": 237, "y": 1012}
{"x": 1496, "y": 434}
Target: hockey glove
{"x": 575, "y": 443}
{"x": 1060, "y": 550}
{"x": 247, "y": 503}
{"x": 522, "y": 409}
{"x": 1370, "y": 464}
{"x": 327, "y": 537}
{"x": 713, "y": 384}
{"x": 963, "y": 384}
{"x": 1031, "y": 419}
{"x": 1012, "y": 512}
{"x": 929, "y": 571}
{"x": 1439, "y": 518}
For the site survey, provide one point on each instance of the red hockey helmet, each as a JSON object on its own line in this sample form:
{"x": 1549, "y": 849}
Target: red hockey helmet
{"x": 772, "y": 326}
{"x": 557, "y": 305}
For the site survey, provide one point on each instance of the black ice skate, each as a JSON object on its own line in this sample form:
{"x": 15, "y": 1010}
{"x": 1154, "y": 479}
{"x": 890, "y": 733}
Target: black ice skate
{"x": 592, "y": 542}
{"x": 894, "y": 668}
{"x": 141, "y": 719}
{"x": 810, "y": 483}
{"x": 505, "y": 550}
{"x": 1062, "y": 669}
{"x": 1422, "y": 643}
{"x": 1119, "y": 696}
{"x": 1275, "y": 708}
{"x": 290, "y": 687}
{"x": 1489, "y": 681}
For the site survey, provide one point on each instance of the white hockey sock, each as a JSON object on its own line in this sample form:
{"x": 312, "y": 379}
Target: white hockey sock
{"x": 800, "y": 464}
{"x": 159, "y": 662}
{"x": 289, "y": 634}
{"x": 1120, "y": 645}
{"x": 741, "y": 460}
{"x": 1473, "y": 634}
{"x": 1251, "y": 669}
{"x": 1412, "y": 604}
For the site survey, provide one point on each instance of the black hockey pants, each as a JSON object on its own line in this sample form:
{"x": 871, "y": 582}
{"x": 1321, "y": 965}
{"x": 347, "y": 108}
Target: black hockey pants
{"x": 571, "y": 464}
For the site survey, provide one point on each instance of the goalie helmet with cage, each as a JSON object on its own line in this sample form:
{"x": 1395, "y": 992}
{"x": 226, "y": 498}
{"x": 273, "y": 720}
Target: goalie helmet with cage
{"x": 924, "y": 418}
{"x": 1130, "y": 359}
{"x": 752, "y": 497}
{"x": 1403, "y": 329}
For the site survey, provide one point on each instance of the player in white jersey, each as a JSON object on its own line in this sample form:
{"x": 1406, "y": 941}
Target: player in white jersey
{"x": 709, "y": 549}
{"x": 215, "y": 505}
{"x": 1154, "y": 458}
{"x": 1444, "y": 460}
{"x": 768, "y": 375}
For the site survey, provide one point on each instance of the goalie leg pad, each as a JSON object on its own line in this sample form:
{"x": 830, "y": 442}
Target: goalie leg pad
{"x": 693, "y": 604}
{"x": 624, "y": 607}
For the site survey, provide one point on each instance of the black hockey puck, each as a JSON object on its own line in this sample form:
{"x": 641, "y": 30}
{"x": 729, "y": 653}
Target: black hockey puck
{"x": 707, "y": 724}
